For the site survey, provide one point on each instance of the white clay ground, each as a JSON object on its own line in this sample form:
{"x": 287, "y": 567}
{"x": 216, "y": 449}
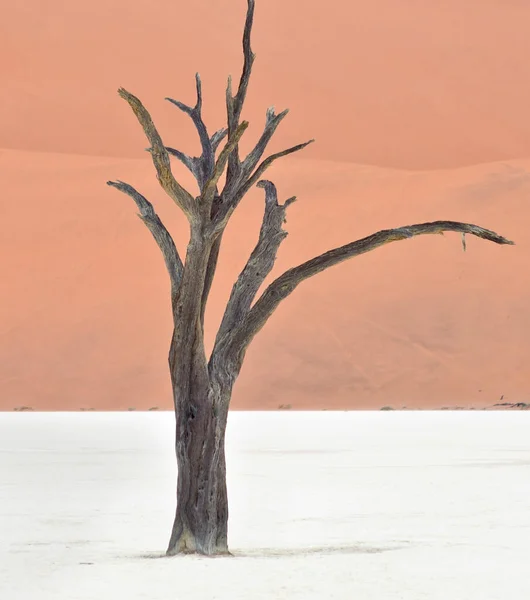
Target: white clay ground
{"x": 353, "y": 506}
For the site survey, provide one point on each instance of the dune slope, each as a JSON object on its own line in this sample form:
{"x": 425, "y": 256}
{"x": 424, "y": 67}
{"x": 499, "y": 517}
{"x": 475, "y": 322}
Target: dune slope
{"x": 420, "y": 113}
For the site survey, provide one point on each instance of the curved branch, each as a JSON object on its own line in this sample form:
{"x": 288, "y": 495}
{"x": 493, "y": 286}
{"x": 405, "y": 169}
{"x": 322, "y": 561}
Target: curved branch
{"x": 162, "y": 236}
{"x": 191, "y": 162}
{"x": 160, "y": 155}
{"x": 194, "y": 163}
{"x": 268, "y": 162}
{"x": 218, "y": 137}
{"x": 284, "y": 285}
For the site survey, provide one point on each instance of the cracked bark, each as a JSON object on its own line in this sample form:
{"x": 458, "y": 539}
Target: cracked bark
{"x": 202, "y": 388}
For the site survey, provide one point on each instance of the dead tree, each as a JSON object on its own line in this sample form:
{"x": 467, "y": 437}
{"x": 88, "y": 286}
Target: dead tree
{"x": 202, "y": 386}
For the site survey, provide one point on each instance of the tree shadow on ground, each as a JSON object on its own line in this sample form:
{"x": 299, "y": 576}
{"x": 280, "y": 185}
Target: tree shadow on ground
{"x": 297, "y": 552}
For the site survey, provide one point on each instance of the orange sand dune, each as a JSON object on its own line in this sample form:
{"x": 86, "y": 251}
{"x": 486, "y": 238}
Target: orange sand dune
{"x": 420, "y": 323}
{"x": 420, "y": 111}
{"x": 410, "y": 84}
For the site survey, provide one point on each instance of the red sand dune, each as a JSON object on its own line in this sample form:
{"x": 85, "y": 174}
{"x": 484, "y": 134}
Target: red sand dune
{"x": 420, "y": 111}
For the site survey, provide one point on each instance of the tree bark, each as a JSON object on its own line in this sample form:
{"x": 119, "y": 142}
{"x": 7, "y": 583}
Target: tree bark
{"x": 201, "y": 410}
{"x": 201, "y": 519}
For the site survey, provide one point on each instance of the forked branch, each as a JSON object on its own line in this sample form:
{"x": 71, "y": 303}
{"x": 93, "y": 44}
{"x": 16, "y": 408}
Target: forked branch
{"x": 196, "y": 164}
{"x": 159, "y": 155}
{"x": 232, "y": 202}
{"x": 202, "y": 167}
{"x": 284, "y": 285}
{"x": 210, "y": 186}
{"x": 162, "y": 236}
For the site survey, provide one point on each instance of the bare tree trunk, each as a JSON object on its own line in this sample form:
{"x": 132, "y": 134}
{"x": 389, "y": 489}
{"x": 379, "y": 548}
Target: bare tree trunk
{"x": 201, "y": 519}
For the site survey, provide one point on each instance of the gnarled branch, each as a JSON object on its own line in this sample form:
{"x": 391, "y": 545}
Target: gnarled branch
{"x": 234, "y": 104}
{"x": 159, "y": 155}
{"x": 196, "y": 163}
{"x": 259, "y": 264}
{"x": 284, "y": 285}
{"x": 249, "y": 57}
{"x": 162, "y": 236}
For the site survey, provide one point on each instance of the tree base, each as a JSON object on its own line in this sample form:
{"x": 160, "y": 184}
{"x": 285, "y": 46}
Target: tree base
{"x": 201, "y": 540}
{"x": 186, "y": 545}
{"x": 185, "y": 552}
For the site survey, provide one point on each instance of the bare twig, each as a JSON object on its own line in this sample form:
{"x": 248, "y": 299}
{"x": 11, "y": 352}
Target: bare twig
{"x": 191, "y": 162}
{"x": 255, "y": 155}
{"x": 218, "y": 137}
{"x": 268, "y": 162}
{"x": 232, "y": 201}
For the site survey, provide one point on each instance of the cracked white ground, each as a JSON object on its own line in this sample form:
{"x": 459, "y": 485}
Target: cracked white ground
{"x": 363, "y": 505}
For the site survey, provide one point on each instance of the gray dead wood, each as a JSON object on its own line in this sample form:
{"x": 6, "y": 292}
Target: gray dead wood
{"x": 284, "y": 285}
{"x": 159, "y": 155}
{"x": 162, "y": 236}
{"x": 202, "y": 166}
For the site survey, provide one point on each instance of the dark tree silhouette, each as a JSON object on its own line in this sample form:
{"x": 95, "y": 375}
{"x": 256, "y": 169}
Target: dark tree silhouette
{"x": 202, "y": 386}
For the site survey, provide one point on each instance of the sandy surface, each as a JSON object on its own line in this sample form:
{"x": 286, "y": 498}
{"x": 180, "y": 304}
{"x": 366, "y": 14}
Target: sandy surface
{"x": 420, "y": 111}
{"x": 323, "y": 505}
